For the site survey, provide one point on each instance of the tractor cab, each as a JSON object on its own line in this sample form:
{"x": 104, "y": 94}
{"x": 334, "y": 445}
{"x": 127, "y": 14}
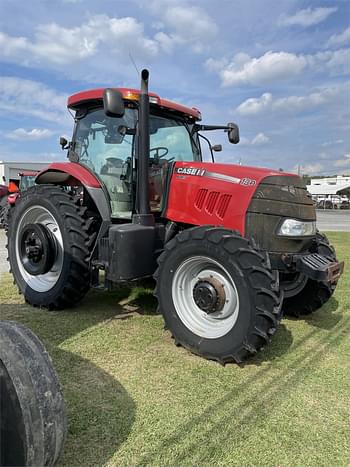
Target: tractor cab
{"x": 107, "y": 146}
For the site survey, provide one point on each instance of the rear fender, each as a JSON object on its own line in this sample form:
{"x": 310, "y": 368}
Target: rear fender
{"x": 73, "y": 174}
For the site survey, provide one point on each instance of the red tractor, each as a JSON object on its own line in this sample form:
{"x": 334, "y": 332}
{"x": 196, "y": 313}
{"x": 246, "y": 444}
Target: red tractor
{"x": 14, "y": 189}
{"x": 229, "y": 246}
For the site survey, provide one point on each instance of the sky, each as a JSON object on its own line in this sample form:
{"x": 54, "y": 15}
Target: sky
{"x": 280, "y": 69}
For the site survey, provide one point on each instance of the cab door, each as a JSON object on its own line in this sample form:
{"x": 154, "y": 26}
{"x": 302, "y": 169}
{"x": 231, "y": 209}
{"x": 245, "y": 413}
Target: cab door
{"x": 170, "y": 141}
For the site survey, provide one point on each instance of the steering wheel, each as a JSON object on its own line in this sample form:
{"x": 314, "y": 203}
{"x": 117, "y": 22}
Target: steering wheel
{"x": 157, "y": 151}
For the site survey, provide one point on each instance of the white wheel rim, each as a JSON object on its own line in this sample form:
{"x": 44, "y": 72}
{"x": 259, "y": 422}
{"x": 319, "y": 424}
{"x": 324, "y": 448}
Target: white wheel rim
{"x": 43, "y": 282}
{"x": 187, "y": 275}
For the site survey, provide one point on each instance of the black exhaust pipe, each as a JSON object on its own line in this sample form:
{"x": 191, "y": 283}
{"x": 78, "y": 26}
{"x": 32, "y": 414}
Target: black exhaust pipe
{"x": 131, "y": 246}
{"x": 143, "y": 214}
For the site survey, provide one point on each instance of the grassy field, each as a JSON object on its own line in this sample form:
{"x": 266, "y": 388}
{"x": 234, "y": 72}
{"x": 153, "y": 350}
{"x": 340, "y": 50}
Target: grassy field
{"x": 133, "y": 398}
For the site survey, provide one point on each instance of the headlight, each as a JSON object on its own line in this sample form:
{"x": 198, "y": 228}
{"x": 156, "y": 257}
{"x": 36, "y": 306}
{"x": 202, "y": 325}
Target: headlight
{"x": 295, "y": 228}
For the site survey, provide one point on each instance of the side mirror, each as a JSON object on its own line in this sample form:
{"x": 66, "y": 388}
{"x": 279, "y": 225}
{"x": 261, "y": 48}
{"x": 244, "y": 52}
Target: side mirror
{"x": 113, "y": 103}
{"x": 217, "y": 147}
{"x": 63, "y": 142}
{"x": 233, "y": 133}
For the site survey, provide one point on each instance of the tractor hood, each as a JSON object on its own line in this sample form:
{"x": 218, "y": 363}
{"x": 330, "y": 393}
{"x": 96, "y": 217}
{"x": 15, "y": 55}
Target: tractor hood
{"x": 238, "y": 174}
{"x": 220, "y": 194}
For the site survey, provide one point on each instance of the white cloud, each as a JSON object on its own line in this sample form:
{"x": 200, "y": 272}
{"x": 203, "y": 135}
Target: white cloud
{"x": 61, "y": 46}
{"x": 277, "y": 66}
{"x": 255, "y": 105}
{"x": 190, "y": 24}
{"x": 307, "y": 17}
{"x": 332, "y": 143}
{"x": 271, "y": 66}
{"x": 291, "y": 104}
{"x": 187, "y": 25}
{"x": 309, "y": 169}
{"x": 105, "y": 39}
{"x": 345, "y": 162}
{"x": 31, "y": 98}
{"x": 340, "y": 39}
{"x": 216, "y": 65}
{"x": 258, "y": 140}
{"x": 29, "y": 135}
{"x": 318, "y": 167}
{"x": 337, "y": 62}
{"x": 166, "y": 42}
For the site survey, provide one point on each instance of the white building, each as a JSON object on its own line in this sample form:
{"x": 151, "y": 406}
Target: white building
{"x": 10, "y": 170}
{"x": 339, "y": 180}
{"x": 331, "y": 192}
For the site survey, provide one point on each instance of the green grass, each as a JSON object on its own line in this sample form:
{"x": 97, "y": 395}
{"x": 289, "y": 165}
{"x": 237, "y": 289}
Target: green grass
{"x": 133, "y": 398}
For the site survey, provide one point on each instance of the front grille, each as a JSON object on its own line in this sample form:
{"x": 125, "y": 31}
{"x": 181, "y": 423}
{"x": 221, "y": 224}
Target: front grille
{"x": 275, "y": 199}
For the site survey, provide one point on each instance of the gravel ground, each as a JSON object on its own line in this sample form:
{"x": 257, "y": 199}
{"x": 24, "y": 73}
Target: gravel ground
{"x": 326, "y": 220}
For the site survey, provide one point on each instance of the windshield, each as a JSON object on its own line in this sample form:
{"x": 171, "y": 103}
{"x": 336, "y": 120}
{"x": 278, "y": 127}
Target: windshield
{"x": 107, "y": 146}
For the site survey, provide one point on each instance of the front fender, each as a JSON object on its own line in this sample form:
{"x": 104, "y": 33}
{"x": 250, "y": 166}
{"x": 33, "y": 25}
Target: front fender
{"x": 73, "y": 174}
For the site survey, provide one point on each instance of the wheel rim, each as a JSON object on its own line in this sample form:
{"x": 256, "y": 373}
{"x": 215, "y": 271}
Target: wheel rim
{"x": 41, "y": 282}
{"x": 199, "y": 316}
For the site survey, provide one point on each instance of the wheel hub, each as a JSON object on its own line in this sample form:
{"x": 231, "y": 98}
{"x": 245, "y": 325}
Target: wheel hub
{"x": 205, "y": 297}
{"x": 37, "y": 249}
{"x": 209, "y": 295}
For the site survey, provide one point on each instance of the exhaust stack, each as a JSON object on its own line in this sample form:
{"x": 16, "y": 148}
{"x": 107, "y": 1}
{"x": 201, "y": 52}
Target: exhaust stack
{"x": 143, "y": 216}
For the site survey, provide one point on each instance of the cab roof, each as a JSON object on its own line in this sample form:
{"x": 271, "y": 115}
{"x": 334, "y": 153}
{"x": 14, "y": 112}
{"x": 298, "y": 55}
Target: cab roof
{"x": 80, "y": 98}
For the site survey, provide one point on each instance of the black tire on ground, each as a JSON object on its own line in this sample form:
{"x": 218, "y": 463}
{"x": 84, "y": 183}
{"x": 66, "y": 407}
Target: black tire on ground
{"x": 78, "y": 231}
{"x": 33, "y": 418}
{"x": 258, "y": 310}
{"x": 5, "y": 214}
{"x": 314, "y": 294}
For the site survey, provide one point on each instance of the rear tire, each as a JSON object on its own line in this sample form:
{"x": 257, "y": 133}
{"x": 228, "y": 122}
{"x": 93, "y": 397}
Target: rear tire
{"x": 69, "y": 234}
{"x": 314, "y": 294}
{"x": 201, "y": 262}
{"x": 5, "y": 213}
{"x": 33, "y": 419}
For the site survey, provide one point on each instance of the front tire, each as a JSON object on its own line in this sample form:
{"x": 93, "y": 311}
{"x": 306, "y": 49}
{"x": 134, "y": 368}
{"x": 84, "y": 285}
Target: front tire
{"x": 314, "y": 294}
{"x": 217, "y": 294}
{"x": 49, "y": 245}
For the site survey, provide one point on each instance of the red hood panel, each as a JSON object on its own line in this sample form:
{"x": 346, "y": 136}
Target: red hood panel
{"x": 218, "y": 194}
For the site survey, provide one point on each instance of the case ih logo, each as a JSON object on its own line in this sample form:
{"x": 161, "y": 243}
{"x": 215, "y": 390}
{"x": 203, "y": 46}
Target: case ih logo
{"x": 190, "y": 171}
